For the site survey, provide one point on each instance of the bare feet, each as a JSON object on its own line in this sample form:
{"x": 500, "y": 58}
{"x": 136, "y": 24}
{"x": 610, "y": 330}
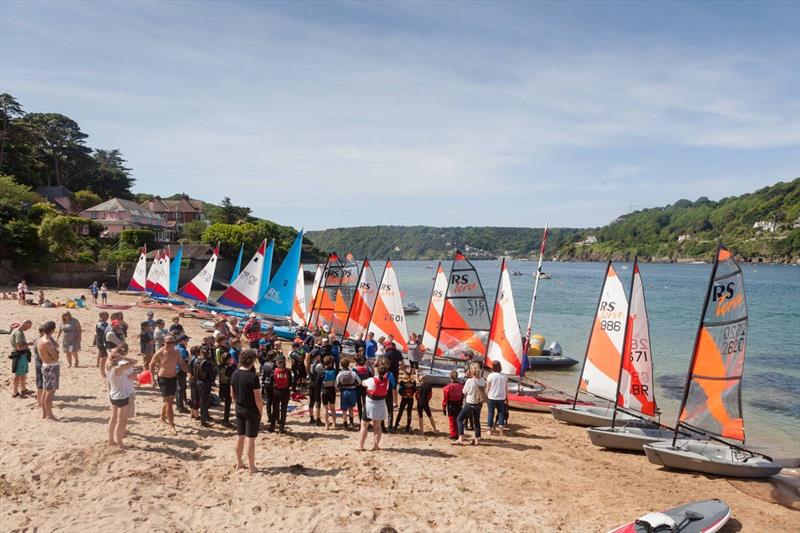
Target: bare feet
{"x": 361, "y": 449}
{"x": 53, "y": 418}
{"x": 238, "y": 466}
{"x": 253, "y": 470}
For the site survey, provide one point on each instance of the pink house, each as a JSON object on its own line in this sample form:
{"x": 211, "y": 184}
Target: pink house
{"x": 117, "y": 215}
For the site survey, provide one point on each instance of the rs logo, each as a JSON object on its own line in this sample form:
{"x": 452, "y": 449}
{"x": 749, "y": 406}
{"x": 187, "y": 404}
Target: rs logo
{"x": 722, "y": 292}
{"x": 459, "y": 279}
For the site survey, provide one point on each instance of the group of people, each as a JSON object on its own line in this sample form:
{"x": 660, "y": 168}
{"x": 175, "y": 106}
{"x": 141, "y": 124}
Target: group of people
{"x": 372, "y": 382}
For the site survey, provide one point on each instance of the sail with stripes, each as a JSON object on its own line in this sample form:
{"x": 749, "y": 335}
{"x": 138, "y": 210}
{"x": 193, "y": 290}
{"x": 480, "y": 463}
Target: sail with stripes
{"x": 267, "y": 269}
{"x": 175, "y": 270}
{"x": 388, "y": 317}
{"x": 636, "y": 390}
{"x": 505, "y": 339}
{"x": 433, "y": 318}
{"x": 312, "y": 317}
{"x": 465, "y": 324}
{"x": 363, "y": 303}
{"x": 336, "y": 293}
{"x": 601, "y": 366}
{"x": 138, "y": 282}
{"x": 243, "y": 292}
{"x": 712, "y": 400}
{"x": 299, "y": 313}
{"x": 161, "y": 287}
{"x": 153, "y": 274}
{"x": 199, "y": 287}
{"x": 322, "y": 313}
{"x": 278, "y": 299}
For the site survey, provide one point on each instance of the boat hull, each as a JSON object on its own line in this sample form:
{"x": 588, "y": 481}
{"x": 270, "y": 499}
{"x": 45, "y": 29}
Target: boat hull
{"x": 588, "y": 415}
{"x": 710, "y": 458}
{"x": 551, "y": 361}
{"x": 713, "y": 514}
{"x": 628, "y": 438}
{"x": 538, "y": 403}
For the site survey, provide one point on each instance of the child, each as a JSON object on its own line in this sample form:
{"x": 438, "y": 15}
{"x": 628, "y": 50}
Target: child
{"x": 204, "y": 375}
{"x": 375, "y": 407}
{"x": 281, "y": 385}
{"x": 363, "y": 372}
{"x": 146, "y": 343}
{"x": 390, "y": 398}
{"x": 424, "y": 394}
{"x": 194, "y": 364}
{"x": 225, "y": 369}
{"x": 348, "y": 382}
{"x": 406, "y": 387}
{"x": 267, "y": 385}
{"x": 103, "y": 293}
{"x": 100, "y": 339}
{"x": 315, "y": 375}
{"x": 452, "y": 398}
{"x": 329, "y": 390}
{"x": 298, "y": 367}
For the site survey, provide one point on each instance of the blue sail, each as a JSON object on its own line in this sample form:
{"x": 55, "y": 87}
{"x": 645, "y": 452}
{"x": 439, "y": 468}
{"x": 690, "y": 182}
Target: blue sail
{"x": 238, "y": 266}
{"x": 266, "y": 268}
{"x": 175, "y": 270}
{"x": 278, "y": 297}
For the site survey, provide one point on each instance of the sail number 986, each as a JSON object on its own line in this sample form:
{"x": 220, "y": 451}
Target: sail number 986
{"x": 611, "y": 325}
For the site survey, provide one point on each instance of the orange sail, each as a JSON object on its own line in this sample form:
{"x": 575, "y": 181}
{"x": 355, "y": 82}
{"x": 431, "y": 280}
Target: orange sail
{"x": 388, "y": 317}
{"x": 505, "y": 339}
{"x": 712, "y": 399}
{"x": 363, "y": 303}
{"x": 464, "y": 330}
{"x": 340, "y": 310}
{"x": 433, "y": 319}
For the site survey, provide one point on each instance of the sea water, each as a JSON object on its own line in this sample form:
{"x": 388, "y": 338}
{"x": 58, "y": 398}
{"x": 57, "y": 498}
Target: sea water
{"x": 566, "y": 303}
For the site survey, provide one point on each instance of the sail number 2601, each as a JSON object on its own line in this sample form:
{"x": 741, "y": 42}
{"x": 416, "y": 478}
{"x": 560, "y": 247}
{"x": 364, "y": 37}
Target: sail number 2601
{"x": 392, "y": 317}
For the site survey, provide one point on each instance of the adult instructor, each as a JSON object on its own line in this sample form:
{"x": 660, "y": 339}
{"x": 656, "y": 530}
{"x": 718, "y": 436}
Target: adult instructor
{"x": 166, "y": 362}
{"x": 249, "y": 405}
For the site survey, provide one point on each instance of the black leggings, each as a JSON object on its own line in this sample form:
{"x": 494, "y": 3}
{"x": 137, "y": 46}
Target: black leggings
{"x": 314, "y": 398}
{"x": 225, "y": 396}
{"x": 280, "y": 401}
{"x": 269, "y": 398}
{"x": 406, "y": 404}
{"x": 204, "y": 389}
{"x": 424, "y": 407}
{"x": 389, "y": 409}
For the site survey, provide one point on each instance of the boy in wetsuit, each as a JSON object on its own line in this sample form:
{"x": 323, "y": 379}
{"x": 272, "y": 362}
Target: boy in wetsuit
{"x": 315, "y": 376}
{"x": 423, "y": 395}
{"x": 281, "y": 383}
{"x": 225, "y": 369}
{"x": 298, "y": 366}
{"x": 267, "y": 389}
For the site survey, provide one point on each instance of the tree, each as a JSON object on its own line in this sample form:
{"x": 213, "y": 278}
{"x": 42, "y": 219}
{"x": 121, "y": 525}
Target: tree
{"x": 60, "y": 139}
{"x": 14, "y": 192}
{"x": 68, "y": 236}
{"x": 193, "y": 231}
{"x": 110, "y": 178}
{"x": 9, "y": 109}
{"x": 135, "y": 238}
{"x": 85, "y": 199}
{"x": 227, "y": 213}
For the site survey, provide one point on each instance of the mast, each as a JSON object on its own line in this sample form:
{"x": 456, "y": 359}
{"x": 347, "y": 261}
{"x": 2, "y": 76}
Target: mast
{"x": 591, "y": 332}
{"x": 626, "y": 346}
{"x": 696, "y": 342}
{"x": 441, "y": 318}
{"x": 320, "y": 288}
{"x": 527, "y": 344}
{"x": 372, "y": 311}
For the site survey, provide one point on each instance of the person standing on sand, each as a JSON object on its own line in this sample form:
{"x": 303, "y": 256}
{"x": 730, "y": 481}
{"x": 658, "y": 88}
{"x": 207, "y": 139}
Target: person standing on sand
{"x": 252, "y": 330}
{"x": 249, "y": 406}
{"x": 100, "y": 340}
{"x": 22, "y": 290}
{"x": 165, "y": 363}
{"x": 413, "y": 351}
{"x": 424, "y": 395}
{"x": 51, "y": 371}
{"x": 20, "y": 358}
{"x": 452, "y": 401}
{"x": 70, "y": 328}
{"x": 497, "y": 392}
{"x": 175, "y": 329}
{"x": 375, "y": 408}
{"x": 115, "y": 334}
{"x": 104, "y": 293}
{"x": 371, "y": 347}
{"x": 158, "y": 335}
{"x": 95, "y": 291}
{"x": 121, "y": 381}
{"x": 474, "y": 397}
{"x": 281, "y": 388}
{"x": 183, "y": 350}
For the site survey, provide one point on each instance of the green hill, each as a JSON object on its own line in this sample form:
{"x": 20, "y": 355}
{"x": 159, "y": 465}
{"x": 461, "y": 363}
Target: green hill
{"x": 760, "y": 226}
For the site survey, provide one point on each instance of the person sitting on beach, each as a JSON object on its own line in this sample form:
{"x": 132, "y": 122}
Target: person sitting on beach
{"x": 281, "y": 387}
{"x": 249, "y": 407}
{"x": 348, "y": 383}
{"x": 104, "y": 293}
{"x": 329, "y": 390}
{"x": 474, "y": 396}
{"x": 165, "y": 363}
{"x": 20, "y": 359}
{"x": 47, "y": 349}
{"x": 316, "y": 374}
{"x": 121, "y": 382}
{"x": 452, "y": 400}
{"x": 41, "y": 298}
{"x": 70, "y": 328}
{"x": 375, "y": 406}
{"x": 406, "y": 387}
{"x": 100, "y": 340}
{"x": 423, "y": 396}
{"x": 496, "y": 392}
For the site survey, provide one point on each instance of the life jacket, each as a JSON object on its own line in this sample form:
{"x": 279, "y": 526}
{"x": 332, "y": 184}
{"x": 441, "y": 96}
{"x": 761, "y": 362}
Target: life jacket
{"x": 407, "y": 386}
{"x": 100, "y": 332}
{"x": 347, "y": 379}
{"x": 197, "y": 369}
{"x": 362, "y": 371}
{"x": 280, "y": 378}
{"x": 455, "y": 392}
{"x": 381, "y": 388}
{"x": 252, "y": 330}
{"x": 329, "y": 377}
{"x": 316, "y": 373}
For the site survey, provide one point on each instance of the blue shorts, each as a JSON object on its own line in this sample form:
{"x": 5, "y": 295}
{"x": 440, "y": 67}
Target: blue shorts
{"x": 349, "y": 398}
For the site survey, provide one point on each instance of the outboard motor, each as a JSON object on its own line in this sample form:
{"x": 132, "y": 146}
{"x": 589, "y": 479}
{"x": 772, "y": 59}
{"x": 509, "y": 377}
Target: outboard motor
{"x": 555, "y": 348}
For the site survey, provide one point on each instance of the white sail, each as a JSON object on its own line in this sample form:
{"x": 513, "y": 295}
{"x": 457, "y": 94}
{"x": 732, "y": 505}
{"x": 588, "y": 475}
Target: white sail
{"x": 299, "y": 312}
{"x": 505, "y": 339}
{"x": 388, "y": 317}
{"x": 139, "y": 280}
{"x": 200, "y": 286}
{"x": 433, "y": 319}
{"x": 244, "y": 292}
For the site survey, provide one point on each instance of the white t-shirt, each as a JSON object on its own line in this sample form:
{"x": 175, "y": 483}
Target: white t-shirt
{"x": 496, "y": 385}
{"x": 471, "y": 387}
{"x": 120, "y": 384}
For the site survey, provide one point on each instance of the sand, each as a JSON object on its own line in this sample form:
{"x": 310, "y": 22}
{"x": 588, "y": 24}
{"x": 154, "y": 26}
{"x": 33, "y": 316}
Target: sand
{"x": 546, "y": 476}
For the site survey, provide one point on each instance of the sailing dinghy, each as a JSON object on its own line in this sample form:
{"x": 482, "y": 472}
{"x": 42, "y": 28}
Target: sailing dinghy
{"x": 388, "y": 317}
{"x": 363, "y": 303}
{"x": 601, "y": 366}
{"x": 138, "y": 282}
{"x": 245, "y": 290}
{"x": 635, "y": 390}
{"x": 712, "y": 398}
{"x": 199, "y": 287}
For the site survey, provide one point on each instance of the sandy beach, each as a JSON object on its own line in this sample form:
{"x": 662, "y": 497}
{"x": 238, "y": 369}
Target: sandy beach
{"x": 545, "y": 476}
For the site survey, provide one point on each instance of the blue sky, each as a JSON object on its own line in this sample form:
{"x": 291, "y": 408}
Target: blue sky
{"x": 341, "y": 114}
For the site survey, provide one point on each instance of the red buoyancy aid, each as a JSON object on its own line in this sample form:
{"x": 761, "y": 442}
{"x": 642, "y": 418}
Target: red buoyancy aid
{"x": 280, "y": 378}
{"x": 381, "y": 388}
{"x": 362, "y": 371}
